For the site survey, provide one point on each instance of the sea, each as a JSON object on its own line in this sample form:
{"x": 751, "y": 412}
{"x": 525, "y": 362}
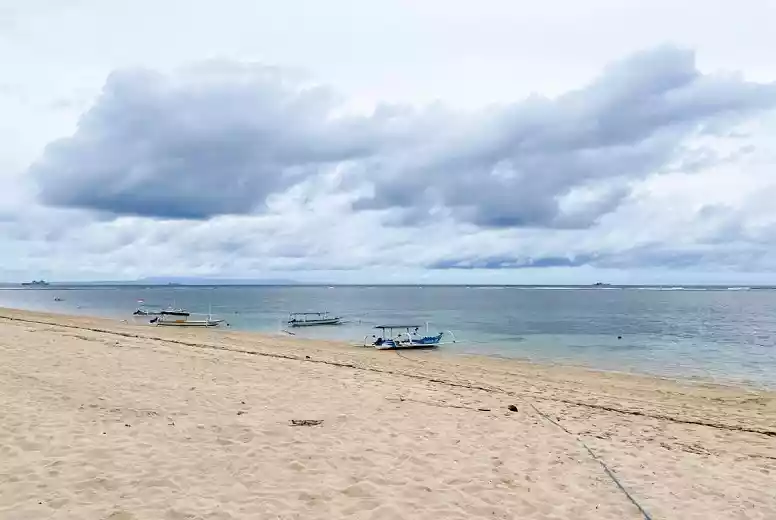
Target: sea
{"x": 720, "y": 334}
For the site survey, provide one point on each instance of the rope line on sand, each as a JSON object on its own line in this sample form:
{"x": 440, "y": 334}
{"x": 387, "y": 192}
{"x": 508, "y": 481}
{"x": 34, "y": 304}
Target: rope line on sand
{"x": 597, "y": 459}
{"x": 407, "y": 358}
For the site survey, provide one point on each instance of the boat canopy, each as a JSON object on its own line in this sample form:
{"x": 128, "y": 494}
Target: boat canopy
{"x": 308, "y": 313}
{"x": 399, "y": 326}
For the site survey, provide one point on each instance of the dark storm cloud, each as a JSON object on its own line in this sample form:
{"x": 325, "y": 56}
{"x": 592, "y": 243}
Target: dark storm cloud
{"x": 216, "y": 141}
{"x": 220, "y": 140}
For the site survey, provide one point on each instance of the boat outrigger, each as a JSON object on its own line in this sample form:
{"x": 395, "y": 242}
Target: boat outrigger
{"x": 408, "y": 337}
{"x": 179, "y": 318}
{"x": 142, "y": 310}
{"x": 154, "y": 312}
{"x": 310, "y": 319}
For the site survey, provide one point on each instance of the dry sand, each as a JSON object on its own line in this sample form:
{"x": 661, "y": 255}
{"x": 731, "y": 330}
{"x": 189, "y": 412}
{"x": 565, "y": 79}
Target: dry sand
{"x": 104, "y": 420}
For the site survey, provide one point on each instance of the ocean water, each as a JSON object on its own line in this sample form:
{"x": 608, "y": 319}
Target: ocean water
{"x": 709, "y": 333}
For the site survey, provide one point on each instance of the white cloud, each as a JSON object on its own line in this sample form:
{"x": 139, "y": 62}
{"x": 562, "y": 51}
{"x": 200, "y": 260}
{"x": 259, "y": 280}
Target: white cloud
{"x": 220, "y": 138}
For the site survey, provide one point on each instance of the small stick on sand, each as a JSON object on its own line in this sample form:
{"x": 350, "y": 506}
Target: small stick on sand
{"x": 305, "y": 422}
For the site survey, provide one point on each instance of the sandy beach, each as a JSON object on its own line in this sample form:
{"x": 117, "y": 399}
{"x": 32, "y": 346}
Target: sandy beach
{"x": 107, "y": 420}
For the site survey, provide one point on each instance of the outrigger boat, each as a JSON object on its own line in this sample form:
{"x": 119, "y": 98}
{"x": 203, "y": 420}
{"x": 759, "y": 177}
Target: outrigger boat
{"x": 153, "y": 312}
{"x": 35, "y": 283}
{"x": 409, "y": 337}
{"x": 143, "y": 311}
{"x": 179, "y": 318}
{"x": 310, "y": 319}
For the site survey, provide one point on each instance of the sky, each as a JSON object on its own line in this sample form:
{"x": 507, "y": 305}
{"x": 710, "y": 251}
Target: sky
{"x": 389, "y": 141}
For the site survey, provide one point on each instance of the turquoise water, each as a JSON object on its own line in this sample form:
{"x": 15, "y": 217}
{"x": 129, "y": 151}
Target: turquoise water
{"x": 724, "y": 335}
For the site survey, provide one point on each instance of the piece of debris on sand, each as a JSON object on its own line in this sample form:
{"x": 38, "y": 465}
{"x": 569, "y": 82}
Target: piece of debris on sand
{"x": 305, "y": 422}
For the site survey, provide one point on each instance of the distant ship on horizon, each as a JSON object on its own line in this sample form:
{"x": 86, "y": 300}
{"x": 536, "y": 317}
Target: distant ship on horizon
{"x": 35, "y": 282}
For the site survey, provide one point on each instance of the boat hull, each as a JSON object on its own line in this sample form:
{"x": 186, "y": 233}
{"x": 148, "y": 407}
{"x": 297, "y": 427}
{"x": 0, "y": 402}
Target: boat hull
{"x": 197, "y": 323}
{"x": 407, "y": 341}
{"x": 314, "y": 323}
{"x": 420, "y": 343}
{"x": 402, "y": 346}
{"x": 160, "y": 312}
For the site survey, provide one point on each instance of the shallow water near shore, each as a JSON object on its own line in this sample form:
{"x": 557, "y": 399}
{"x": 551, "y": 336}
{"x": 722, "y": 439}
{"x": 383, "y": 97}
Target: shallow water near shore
{"x": 717, "y": 334}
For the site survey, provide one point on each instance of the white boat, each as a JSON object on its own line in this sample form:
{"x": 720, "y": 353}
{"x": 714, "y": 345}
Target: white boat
{"x": 408, "y": 336}
{"x": 35, "y": 283}
{"x": 311, "y": 319}
{"x": 178, "y": 318}
{"x": 142, "y": 311}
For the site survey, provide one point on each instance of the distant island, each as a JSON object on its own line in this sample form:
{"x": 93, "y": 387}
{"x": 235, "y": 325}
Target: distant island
{"x": 35, "y": 282}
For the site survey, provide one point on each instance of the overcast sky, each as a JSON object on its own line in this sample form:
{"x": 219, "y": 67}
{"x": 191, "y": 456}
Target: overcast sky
{"x": 351, "y": 141}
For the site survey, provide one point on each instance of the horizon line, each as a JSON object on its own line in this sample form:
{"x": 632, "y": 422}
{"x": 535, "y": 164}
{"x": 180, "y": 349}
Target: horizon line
{"x": 340, "y": 284}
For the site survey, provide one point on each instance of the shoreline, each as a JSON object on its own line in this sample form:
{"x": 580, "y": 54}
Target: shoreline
{"x": 109, "y": 420}
{"x": 728, "y": 381}
{"x": 332, "y": 352}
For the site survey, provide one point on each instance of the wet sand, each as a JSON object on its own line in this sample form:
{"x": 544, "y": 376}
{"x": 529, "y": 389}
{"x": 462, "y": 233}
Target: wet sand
{"x": 106, "y": 420}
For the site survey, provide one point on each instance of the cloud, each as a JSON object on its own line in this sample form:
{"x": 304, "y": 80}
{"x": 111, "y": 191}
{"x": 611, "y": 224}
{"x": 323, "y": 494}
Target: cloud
{"x": 516, "y": 165}
{"x": 217, "y": 139}
{"x": 688, "y": 224}
{"x": 511, "y": 263}
{"x": 221, "y": 138}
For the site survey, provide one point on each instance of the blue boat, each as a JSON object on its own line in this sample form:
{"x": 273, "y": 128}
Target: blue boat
{"x": 408, "y": 336}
